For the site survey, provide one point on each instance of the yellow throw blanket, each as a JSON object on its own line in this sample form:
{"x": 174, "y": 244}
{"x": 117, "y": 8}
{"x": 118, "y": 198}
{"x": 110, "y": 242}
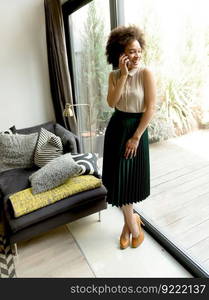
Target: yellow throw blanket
{"x": 24, "y": 202}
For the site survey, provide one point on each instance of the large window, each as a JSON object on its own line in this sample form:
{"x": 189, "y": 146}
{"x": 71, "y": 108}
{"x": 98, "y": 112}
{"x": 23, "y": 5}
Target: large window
{"x": 177, "y": 34}
{"x": 89, "y": 27}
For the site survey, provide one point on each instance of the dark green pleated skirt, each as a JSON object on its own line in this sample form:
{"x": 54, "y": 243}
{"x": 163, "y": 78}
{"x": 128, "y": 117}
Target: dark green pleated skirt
{"x": 127, "y": 180}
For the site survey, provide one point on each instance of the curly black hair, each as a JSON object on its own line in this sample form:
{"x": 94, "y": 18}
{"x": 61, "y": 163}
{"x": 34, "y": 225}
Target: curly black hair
{"x": 119, "y": 38}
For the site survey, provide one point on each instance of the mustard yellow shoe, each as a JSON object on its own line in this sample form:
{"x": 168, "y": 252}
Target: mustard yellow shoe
{"x": 136, "y": 241}
{"x": 124, "y": 242}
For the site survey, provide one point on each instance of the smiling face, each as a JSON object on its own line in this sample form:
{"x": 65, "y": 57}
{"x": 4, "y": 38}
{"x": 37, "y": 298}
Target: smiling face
{"x": 134, "y": 52}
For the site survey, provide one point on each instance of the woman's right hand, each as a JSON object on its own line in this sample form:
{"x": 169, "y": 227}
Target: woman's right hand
{"x": 123, "y": 60}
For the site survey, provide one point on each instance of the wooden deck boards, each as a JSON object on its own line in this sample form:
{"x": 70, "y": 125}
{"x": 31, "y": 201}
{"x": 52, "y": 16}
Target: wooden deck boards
{"x": 179, "y": 200}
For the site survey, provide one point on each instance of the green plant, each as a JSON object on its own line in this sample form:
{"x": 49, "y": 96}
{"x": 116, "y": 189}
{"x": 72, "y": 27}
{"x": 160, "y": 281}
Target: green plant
{"x": 160, "y": 128}
{"x": 94, "y": 75}
{"x": 179, "y": 84}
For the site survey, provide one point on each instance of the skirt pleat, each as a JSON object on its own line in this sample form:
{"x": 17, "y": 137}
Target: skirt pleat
{"x": 127, "y": 180}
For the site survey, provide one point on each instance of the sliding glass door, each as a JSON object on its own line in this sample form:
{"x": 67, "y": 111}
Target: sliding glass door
{"x": 177, "y": 35}
{"x": 89, "y": 27}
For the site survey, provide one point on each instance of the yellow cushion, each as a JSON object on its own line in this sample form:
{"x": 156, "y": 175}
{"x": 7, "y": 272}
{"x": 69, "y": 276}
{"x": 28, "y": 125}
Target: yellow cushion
{"x": 24, "y": 202}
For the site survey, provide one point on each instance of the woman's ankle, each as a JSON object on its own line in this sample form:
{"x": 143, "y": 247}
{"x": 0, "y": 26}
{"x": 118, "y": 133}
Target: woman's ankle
{"x": 135, "y": 230}
{"x": 125, "y": 231}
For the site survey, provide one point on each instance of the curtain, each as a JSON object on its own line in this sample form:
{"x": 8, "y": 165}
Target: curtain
{"x": 60, "y": 81}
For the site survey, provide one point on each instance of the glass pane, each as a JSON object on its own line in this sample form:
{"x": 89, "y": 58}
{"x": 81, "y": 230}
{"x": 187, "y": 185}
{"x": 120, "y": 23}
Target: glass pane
{"x": 177, "y": 35}
{"x": 89, "y": 27}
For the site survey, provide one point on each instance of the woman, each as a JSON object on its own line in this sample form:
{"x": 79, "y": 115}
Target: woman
{"x": 132, "y": 92}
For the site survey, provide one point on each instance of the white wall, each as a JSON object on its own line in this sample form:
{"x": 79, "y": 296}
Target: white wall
{"x": 25, "y": 97}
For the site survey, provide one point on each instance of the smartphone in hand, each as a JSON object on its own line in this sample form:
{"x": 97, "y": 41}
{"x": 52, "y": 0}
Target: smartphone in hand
{"x": 128, "y": 63}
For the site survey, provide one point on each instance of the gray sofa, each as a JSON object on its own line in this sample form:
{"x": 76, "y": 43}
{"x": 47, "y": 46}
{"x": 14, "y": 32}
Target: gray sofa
{"x": 53, "y": 215}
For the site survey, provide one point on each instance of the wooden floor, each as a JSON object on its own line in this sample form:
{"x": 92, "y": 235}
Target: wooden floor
{"x": 52, "y": 255}
{"x": 179, "y": 200}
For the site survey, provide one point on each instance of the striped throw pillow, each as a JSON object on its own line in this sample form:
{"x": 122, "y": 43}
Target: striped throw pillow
{"x": 49, "y": 146}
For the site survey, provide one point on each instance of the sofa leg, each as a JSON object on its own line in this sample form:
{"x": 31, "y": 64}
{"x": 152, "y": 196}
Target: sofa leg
{"x": 99, "y": 216}
{"x": 14, "y": 249}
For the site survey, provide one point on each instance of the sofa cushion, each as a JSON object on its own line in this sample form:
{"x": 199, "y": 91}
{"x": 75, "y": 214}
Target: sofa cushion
{"x": 17, "y": 151}
{"x": 54, "y": 173}
{"x": 15, "y": 180}
{"x": 52, "y": 210}
{"x": 48, "y": 125}
{"x": 49, "y": 146}
{"x": 69, "y": 140}
{"x": 24, "y": 202}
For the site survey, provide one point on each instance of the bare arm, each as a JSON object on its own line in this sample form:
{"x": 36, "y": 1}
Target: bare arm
{"x": 150, "y": 101}
{"x": 115, "y": 91}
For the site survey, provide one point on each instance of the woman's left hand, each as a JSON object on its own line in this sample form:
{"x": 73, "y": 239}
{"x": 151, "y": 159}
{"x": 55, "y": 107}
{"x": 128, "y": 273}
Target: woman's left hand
{"x": 131, "y": 147}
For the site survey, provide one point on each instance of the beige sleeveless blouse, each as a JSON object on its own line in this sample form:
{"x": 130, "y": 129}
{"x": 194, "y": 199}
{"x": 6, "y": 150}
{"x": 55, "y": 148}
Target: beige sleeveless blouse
{"x": 132, "y": 98}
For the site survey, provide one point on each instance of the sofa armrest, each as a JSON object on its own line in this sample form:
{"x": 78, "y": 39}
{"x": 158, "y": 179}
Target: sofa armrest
{"x": 70, "y": 141}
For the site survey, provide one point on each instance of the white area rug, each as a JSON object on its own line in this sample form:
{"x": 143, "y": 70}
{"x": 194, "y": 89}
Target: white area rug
{"x": 99, "y": 242}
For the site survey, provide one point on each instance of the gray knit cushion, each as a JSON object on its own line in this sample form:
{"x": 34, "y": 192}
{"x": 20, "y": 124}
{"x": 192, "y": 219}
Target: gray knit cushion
{"x": 49, "y": 146}
{"x": 17, "y": 150}
{"x": 54, "y": 173}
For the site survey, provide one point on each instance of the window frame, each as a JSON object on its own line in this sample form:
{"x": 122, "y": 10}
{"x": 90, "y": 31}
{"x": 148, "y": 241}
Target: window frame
{"x": 68, "y": 8}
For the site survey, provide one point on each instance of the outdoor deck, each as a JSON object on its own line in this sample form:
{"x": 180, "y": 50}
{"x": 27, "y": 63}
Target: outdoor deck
{"x": 179, "y": 200}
